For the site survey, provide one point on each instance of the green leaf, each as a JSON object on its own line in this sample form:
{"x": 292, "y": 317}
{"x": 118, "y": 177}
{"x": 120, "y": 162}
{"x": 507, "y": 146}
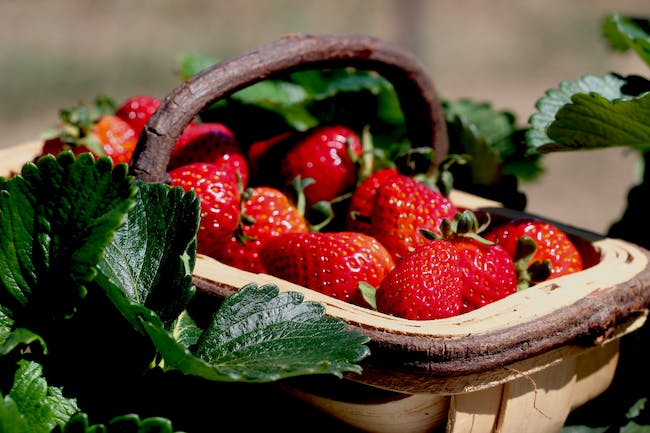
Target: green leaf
{"x": 18, "y": 337}
{"x": 190, "y": 64}
{"x": 608, "y": 87}
{"x": 151, "y": 257}
{"x": 283, "y": 98}
{"x": 42, "y": 407}
{"x": 592, "y": 122}
{"x": 488, "y": 137}
{"x": 79, "y": 423}
{"x": 624, "y": 33}
{"x": 11, "y": 420}
{"x": 56, "y": 218}
{"x": 261, "y": 335}
{"x": 132, "y": 422}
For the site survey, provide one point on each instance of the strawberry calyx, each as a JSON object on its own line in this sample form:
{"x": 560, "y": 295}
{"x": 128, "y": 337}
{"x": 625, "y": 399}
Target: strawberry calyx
{"x": 368, "y": 293}
{"x": 418, "y": 163}
{"x": 464, "y": 224}
{"x": 529, "y": 274}
{"x": 77, "y": 122}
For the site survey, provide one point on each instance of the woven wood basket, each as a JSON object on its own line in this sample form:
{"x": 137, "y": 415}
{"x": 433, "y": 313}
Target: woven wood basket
{"x": 519, "y": 364}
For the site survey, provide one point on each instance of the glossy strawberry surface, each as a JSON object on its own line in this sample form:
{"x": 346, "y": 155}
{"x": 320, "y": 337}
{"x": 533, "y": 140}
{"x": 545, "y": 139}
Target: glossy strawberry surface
{"x": 219, "y": 196}
{"x": 117, "y": 138}
{"x": 488, "y": 273}
{"x": 426, "y": 284}
{"x": 326, "y": 155}
{"x": 333, "y": 263}
{"x": 362, "y": 199}
{"x": 209, "y": 142}
{"x": 137, "y": 110}
{"x": 402, "y": 207}
{"x": 552, "y": 244}
{"x": 267, "y": 212}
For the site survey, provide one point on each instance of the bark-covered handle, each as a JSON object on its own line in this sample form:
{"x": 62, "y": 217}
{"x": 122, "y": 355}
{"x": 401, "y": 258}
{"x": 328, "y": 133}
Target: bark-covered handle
{"x": 423, "y": 114}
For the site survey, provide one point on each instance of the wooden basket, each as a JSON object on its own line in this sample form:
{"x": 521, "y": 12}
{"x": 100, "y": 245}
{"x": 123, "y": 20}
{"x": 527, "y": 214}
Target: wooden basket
{"x": 518, "y": 364}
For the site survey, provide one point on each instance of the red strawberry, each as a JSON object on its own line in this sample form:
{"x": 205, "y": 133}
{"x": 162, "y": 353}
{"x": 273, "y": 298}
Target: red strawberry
{"x": 362, "y": 199}
{"x": 402, "y": 207}
{"x": 93, "y": 129}
{"x": 327, "y": 155}
{"x": 552, "y": 248}
{"x": 488, "y": 272}
{"x": 137, "y": 110}
{"x": 453, "y": 273}
{"x": 209, "y": 142}
{"x": 266, "y": 212}
{"x": 425, "y": 284}
{"x": 333, "y": 263}
{"x": 117, "y": 138}
{"x": 219, "y": 196}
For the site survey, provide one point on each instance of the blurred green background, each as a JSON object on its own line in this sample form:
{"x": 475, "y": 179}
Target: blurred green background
{"x": 56, "y": 53}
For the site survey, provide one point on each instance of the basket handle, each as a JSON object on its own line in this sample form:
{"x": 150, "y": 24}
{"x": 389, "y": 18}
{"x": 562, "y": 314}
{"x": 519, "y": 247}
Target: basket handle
{"x": 423, "y": 114}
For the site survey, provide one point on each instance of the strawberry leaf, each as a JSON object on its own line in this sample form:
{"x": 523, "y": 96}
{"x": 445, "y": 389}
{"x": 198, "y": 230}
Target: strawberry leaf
{"x": 608, "y": 87}
{"x": 624, "y": 33}
{"x": 259, "y": 334}
{"x": 79, "y": 423}
{"x": 11, "y": 420}
{"x": 591, "y": 121}
{"x": 34, "y": 405}
{"x": 151, "y": 257}
{"x": 56, "y": 218}
{"x": 489, "y": 138}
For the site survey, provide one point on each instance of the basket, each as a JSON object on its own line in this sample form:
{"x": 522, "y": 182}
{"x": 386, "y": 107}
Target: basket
{"x": 522, "y": 363}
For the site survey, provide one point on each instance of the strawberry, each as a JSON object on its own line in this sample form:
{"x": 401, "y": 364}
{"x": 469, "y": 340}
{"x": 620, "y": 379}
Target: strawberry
{"x": 137, "y": 110}
{"x": 92, "y": 129}
{"x": 360, "y": 208}
{"x": 266, "y": 212}
{"x": 455, "y": 272}
{"x": 219, "y": 195}
{"x": 554, "y": 253}
{"x": 333, "y": 263}
{"x": 426, "y": 284}
{"x": 327, "y": 154}
{"x": 209, "y": 142}
{"x": 117, "y": 138}
{"x": 402, "y": 207}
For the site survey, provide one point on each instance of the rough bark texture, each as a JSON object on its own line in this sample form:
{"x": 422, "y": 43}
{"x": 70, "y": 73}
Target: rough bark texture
{"x": 423, "y": 114}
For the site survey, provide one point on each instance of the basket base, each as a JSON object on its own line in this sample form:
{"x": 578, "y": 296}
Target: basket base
{"x": 535, "y": 403}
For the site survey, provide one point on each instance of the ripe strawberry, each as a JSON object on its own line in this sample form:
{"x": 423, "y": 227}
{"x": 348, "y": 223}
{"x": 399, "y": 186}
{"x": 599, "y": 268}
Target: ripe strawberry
{"x": 137, "y": 110}
{"x": 362, "y": 199}
{"x": 333, "y": 263}
{"x": 209, "y": 142}
{"x": 117, "y": 138}
{"x": 455, "y": 272}
{"x": 219, "y": 196}
{"x": 402, "y": 207}
{"x": 326, "y": 154}
{"x": 266, "y": 212}
{"x": 488, "y": 272}
{"x": 92, "y": 129}
{"x": 425, "y": 284}
{"x": 554, "y": 255}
